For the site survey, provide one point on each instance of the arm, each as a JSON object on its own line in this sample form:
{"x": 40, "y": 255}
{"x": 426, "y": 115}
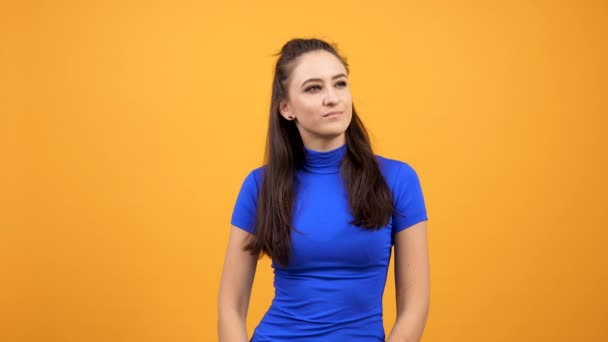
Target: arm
{"x": 412, "y": 283}
{"x": 235, "y": 288}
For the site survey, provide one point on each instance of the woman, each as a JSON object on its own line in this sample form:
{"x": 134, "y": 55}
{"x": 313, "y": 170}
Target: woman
{"x": 327, "y": 211}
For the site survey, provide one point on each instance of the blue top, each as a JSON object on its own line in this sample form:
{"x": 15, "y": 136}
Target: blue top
{"x": 332, "y": 289}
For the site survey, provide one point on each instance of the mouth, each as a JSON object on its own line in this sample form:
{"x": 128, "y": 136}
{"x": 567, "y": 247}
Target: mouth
{"x": 334, "y": 113}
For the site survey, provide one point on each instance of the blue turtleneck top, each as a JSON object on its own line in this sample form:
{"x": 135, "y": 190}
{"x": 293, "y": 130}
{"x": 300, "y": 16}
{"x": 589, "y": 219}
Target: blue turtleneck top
{"x": 332, "y": 288}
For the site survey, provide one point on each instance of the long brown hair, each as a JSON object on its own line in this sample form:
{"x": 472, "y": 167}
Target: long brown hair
{"x": 368, "y": 193}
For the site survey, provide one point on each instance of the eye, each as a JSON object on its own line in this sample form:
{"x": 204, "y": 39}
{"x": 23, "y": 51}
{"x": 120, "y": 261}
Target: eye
{"x": 312, "y": 87}
{"x": 341, "y": 83}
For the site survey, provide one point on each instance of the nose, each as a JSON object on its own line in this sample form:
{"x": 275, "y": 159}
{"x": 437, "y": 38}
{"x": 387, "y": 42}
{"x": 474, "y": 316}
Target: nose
{"x": 331, "y": 98}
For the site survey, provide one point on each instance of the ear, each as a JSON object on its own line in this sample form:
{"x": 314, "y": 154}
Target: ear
{"x": 285, "y": 110}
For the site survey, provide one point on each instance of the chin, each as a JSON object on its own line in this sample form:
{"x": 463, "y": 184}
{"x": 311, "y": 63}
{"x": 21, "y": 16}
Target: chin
{"x": 333, "y": 133}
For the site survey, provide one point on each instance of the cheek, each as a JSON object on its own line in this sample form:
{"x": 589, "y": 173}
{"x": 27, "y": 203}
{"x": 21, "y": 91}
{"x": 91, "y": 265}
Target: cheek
{"x": 348, "y": 99}
{"x": 307, "y": 108}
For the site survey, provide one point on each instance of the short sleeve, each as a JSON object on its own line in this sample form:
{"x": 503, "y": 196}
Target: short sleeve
{"x": 408, "y": 199}
{"x": 244, "y": 213}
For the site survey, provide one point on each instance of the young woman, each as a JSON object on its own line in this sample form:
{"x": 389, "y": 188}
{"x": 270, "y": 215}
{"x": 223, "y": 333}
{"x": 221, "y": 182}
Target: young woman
{"x": 327, "y": 210}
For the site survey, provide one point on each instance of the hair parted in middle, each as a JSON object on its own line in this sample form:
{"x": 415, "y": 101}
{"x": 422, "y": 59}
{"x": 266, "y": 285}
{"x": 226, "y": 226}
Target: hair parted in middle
{"x": 369, "y": 196}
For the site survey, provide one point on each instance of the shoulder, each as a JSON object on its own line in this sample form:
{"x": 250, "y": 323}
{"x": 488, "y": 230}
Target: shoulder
{"x": 254, "y": 178}
{"x": 257, "y": 173}
{"x": 395, "y": 170}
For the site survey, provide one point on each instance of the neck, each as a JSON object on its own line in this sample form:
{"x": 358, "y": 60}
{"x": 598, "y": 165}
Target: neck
{"x": 324, "y": 162}
{"x": 324, "y": 145}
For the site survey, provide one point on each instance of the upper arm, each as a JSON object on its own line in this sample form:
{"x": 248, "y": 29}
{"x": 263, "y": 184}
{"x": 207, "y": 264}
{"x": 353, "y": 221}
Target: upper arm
{"x": 412, "y": 274}
{"x": 239, "y": 265}
{"x": 238, "y": 272}
{"x": 408, "y": 198}
{"x": 412, "y": 278}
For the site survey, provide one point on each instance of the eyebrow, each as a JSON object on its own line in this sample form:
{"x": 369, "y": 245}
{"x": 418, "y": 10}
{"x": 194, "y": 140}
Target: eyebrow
{"x": 320, "y": 80}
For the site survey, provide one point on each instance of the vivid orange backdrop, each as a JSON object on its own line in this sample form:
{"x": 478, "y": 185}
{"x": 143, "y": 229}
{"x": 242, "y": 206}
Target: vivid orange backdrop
{"x": 127, "y": 128}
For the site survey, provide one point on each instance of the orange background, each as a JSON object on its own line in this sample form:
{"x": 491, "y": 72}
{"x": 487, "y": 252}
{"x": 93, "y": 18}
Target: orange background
{"x": 127, "y": 129}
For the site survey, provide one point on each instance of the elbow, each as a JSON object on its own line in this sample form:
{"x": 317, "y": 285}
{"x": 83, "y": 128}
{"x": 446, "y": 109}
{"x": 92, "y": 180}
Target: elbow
{"x": 230, "y": 307}
{"x": 418, "y": 307}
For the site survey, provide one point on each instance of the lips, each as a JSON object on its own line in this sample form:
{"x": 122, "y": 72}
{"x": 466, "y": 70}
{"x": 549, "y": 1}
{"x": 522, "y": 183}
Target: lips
{"x": 333, "y": 113}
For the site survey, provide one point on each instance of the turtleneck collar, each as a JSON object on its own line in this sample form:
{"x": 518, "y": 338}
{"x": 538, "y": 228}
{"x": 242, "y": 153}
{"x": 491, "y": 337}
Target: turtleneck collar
{"x": 324, "y": 162}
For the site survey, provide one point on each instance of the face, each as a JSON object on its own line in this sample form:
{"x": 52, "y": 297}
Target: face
{"x": 317, "y": 87}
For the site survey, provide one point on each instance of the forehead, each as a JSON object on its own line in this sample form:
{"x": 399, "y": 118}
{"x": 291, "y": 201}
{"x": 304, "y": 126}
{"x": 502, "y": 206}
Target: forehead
{"x": 317, "y": 64}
